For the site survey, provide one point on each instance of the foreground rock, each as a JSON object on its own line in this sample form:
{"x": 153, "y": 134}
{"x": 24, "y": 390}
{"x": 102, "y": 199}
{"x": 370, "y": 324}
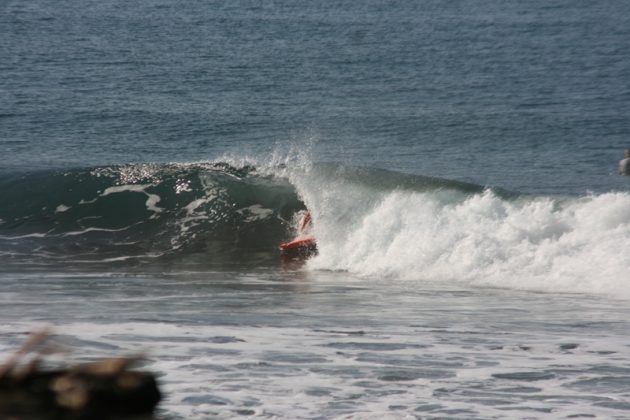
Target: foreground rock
{"x": 106, "y": 389}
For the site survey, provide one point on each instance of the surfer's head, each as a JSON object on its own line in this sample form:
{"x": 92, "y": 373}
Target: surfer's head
{"x": 626, "y": 153}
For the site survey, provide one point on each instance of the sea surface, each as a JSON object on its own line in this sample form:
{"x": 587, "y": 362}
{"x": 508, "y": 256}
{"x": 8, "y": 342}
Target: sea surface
{"x": 458, "y": 158}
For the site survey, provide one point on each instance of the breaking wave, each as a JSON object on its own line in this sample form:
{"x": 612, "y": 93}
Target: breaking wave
{"x": 367, "y": 221}
{"x": 474, "y": 236}
{"x": 140, "y": 212}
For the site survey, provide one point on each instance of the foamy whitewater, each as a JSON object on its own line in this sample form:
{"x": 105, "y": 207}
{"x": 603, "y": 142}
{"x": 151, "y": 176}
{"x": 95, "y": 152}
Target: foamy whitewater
{"x": 459, "y": 160}
{"x": 537, "y": 243}
{"x": 424, "y": 300}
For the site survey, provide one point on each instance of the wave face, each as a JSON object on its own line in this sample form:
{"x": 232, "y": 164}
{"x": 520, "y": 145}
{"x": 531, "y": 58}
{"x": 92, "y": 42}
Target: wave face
{"x": 138, "y": 212}
{"x": 367, "y": 221}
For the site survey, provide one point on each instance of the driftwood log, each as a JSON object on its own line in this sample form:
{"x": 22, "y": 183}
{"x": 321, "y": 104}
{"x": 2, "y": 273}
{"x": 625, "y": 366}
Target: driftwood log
{"x": 105, "y": 389}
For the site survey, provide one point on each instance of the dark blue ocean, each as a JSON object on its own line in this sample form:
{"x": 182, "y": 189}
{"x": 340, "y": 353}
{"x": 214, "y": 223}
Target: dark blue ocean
{"x": 459, "y": 160}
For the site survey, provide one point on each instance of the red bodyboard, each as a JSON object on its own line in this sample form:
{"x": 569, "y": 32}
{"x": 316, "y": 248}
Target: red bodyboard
{"x": 303, "y": 246}
{"x": 305, "y": 242}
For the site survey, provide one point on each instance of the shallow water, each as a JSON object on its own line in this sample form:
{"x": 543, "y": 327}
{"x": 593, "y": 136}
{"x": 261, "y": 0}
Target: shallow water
{"x": 326, "y": 345}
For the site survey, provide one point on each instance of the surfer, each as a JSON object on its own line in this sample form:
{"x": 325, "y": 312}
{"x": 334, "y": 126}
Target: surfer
{"x": 305, "y": 224}
{"x": 624, "y": 164}
{"x": 304, "y": 245}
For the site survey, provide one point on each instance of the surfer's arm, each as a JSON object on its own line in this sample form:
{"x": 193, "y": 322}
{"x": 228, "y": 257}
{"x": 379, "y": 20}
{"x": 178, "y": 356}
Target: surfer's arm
{"x": 306, "y": 222}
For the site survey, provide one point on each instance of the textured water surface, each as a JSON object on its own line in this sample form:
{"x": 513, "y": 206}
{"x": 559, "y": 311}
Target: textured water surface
{"x": 294, "y": 344}
{"x": 459, "y": 160}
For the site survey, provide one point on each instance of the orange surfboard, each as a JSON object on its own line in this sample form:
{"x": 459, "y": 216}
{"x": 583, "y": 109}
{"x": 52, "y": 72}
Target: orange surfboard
{"x": 302, "y": 246}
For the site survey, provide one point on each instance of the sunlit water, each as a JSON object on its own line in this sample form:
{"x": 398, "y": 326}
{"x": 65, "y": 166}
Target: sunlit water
{"x": 432, "y": 296}
{"x": 296, "y": 344}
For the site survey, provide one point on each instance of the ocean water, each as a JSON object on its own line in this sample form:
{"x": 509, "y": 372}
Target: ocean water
{"x": 459, "y": 160}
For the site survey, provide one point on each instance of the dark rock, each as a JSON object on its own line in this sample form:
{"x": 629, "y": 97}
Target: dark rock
{"x": 100, "y": 390}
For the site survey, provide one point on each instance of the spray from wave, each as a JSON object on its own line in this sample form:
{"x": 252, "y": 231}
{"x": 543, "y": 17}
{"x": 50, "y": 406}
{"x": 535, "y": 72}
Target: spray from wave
{"x": 367, "y": 221}
{"x": 441, "y": 231}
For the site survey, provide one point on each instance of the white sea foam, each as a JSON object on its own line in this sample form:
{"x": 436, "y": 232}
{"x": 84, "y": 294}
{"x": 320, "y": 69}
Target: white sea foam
{"x": 30, "y": 235}
{"x": 92, "y": 229}
{"x": 255, "y": 212}
{"x": 152, "y": 199}
{"x": 537, "y": 243}
{"x": 531, "y": 243}
{"x": 292, "y": 372}
{"x": 62, "y": 208}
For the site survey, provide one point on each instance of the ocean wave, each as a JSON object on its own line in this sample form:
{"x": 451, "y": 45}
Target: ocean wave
{"x": 152, "y": 210}
{"x": 367, "y": 221}
{"x": 484, "y": 238}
